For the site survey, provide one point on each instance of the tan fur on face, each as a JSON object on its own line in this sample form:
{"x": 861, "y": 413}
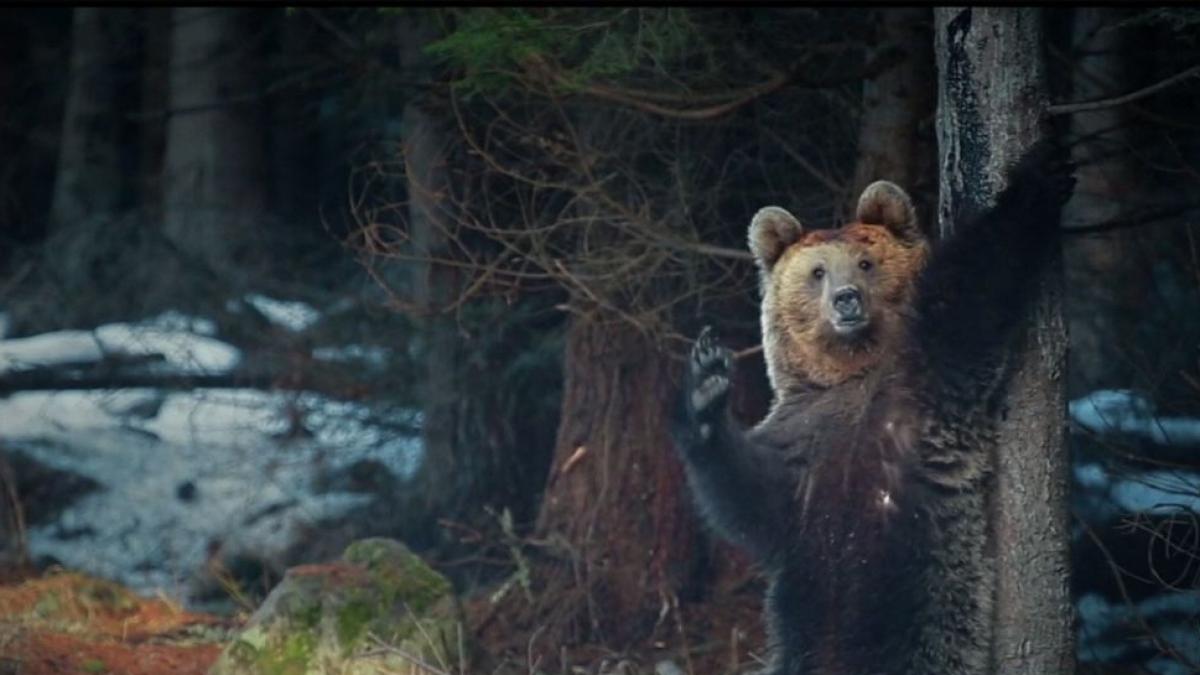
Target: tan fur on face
{"x": 797, "y": 345}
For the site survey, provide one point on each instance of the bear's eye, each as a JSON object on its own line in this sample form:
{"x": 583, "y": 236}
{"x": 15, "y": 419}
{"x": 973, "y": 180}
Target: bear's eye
{"x": 865, "y": 265}
{"x": 818, "y": 273}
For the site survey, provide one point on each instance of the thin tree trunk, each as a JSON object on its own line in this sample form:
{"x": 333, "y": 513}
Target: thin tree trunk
{"x": 215, "y": 190}
{"x": 156, "y": 29}
{"x": 991, "y": 95}
{"x": 447, "y": 477}
{"x": 898, "y": 105}
{"x": 89, "y": 182}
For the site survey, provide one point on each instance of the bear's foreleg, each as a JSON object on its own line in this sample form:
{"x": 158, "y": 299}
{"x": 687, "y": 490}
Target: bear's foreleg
{"x": 741, "y": 488}
{"x": 980, "y": 284}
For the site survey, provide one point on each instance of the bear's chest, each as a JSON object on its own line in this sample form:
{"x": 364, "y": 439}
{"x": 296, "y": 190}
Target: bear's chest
{"x": 852, "y": 451}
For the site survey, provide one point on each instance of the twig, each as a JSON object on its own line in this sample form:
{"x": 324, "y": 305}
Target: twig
{"x": 804, "y": 163}
{"x": 1132, "y": 220}
{"x": 1099, "y": 104}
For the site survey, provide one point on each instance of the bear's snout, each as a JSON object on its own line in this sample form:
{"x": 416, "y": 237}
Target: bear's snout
{"x": 848, "y": 308}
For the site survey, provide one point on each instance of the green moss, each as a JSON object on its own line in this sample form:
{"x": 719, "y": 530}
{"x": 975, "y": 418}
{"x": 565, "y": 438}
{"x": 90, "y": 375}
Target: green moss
{"x": 352, "y": 622}
{"x": 94, "y": 666}
{"x": 288, "y": 658}
{"x": 308, "y": 615}
{"x": 402, "y": 576}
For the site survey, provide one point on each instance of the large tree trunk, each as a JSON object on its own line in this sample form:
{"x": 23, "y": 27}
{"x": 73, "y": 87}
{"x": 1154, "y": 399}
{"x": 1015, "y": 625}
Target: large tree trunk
{"x": 214, "y": 192}
{"x": 895, "y": 140}
{"x": 991, "y": 95}
{"x": 616, "y": 494}
{"x": 90, "y": 180}
{"x": 1107, "y": 273}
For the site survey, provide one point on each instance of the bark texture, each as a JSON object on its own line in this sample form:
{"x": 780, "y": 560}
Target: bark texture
{"x": 991, "y": 95}
{"x": 616, "y": 495}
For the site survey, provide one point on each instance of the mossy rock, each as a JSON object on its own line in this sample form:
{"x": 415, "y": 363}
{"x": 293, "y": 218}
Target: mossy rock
{"x": 379, "y": 598}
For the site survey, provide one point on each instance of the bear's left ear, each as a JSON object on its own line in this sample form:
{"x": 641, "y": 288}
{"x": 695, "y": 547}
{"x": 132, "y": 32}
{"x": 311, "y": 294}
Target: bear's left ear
{"x": 772, "y": 230}
{"x": 885, "y": 203}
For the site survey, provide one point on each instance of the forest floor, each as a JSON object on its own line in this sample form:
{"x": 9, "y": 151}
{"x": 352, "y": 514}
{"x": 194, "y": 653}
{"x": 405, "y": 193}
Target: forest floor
{"x": 68, "y": 623}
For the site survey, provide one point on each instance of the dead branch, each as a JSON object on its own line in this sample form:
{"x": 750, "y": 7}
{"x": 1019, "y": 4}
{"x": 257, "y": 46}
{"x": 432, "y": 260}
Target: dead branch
{"x": 1100, "y": 104}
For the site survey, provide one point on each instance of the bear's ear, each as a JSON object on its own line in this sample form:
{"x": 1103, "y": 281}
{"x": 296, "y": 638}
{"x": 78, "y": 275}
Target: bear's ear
{"x": 771, "y": 231}
{"x": 885, "y": 203}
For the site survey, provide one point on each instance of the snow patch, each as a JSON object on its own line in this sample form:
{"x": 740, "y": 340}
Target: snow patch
{"x": 182, "y": 470}
{"x": 371, "y": 355}
{"x": 185, "y": 352}
{"x": 293, "y": 315}
{"x": 1121, "y": 411}
{"x": 1103, "y": 633}
{"x": 182, "y": 350}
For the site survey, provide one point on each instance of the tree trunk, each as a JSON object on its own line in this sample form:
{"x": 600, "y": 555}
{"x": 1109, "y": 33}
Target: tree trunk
{"x": 991, "y": 95}
{"x": 616, "y": 494}
{"x": 898, "y": 106}
{"x": 447, "y": 476}
{"x": 1107, "y": 273}
{"x": 481, "y": 449}
{"x": 214, "y": 193}
{"x": 89, "y": 182}
{"x": 156, "y": 30}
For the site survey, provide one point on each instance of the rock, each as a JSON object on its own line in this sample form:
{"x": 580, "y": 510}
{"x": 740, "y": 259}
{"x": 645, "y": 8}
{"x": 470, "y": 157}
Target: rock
{"x": 380, "y": 609}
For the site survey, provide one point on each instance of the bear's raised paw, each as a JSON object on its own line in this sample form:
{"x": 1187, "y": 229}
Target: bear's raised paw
{"x": 708, "y": 379}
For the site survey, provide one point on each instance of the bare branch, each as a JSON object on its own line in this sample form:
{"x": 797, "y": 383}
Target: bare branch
{"x": 1087, "y": 106}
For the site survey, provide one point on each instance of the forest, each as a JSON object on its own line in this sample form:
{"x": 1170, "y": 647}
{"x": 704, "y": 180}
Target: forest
{"x": 354, "y": 339}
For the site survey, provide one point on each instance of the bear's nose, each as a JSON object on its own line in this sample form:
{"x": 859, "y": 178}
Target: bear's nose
{"x": 847, "y": 302}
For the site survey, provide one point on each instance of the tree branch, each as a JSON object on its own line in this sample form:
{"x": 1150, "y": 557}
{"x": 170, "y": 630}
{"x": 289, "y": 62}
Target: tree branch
{"x": 1099, "y": 104}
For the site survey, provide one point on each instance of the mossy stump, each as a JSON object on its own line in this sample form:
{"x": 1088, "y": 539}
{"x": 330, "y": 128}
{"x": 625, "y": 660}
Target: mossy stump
{"x": 380, "y": 609}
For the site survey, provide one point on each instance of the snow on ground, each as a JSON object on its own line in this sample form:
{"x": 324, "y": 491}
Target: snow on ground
{"x": 293, "y": 315}
{"x": 1120, "y": 411}
{"x": 180, "y": 470}
{"x": 1105, "y": 629}
{"x": 183, "y": 350}
{"x": 244, "y": 485}
{"x": 370, "y": 355}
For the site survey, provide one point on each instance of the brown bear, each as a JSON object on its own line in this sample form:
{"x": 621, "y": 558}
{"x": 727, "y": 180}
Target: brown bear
{"x": 861, "y": 494}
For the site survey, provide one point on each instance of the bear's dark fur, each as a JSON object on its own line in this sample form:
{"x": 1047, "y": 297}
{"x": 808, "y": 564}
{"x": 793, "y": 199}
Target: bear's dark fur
{"x": 862, "y": 492}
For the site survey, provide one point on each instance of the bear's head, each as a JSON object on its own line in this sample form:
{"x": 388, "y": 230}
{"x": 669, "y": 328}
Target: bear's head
{"x": 834, "y": 300}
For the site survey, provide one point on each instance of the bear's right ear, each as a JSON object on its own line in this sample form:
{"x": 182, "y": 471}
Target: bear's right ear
{"x": 885, "y": 203}
{"x": 771, "y": 231}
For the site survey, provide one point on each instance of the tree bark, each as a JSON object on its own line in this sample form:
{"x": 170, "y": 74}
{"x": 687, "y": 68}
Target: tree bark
{"x": 991, "y": 94}
{"x": 215, "y": 189}
{"x": 90, "y": 181}
{"x": 616, "y": 493}
{"x": 1107, "y": 273}
{"x": 898, "y": 106}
